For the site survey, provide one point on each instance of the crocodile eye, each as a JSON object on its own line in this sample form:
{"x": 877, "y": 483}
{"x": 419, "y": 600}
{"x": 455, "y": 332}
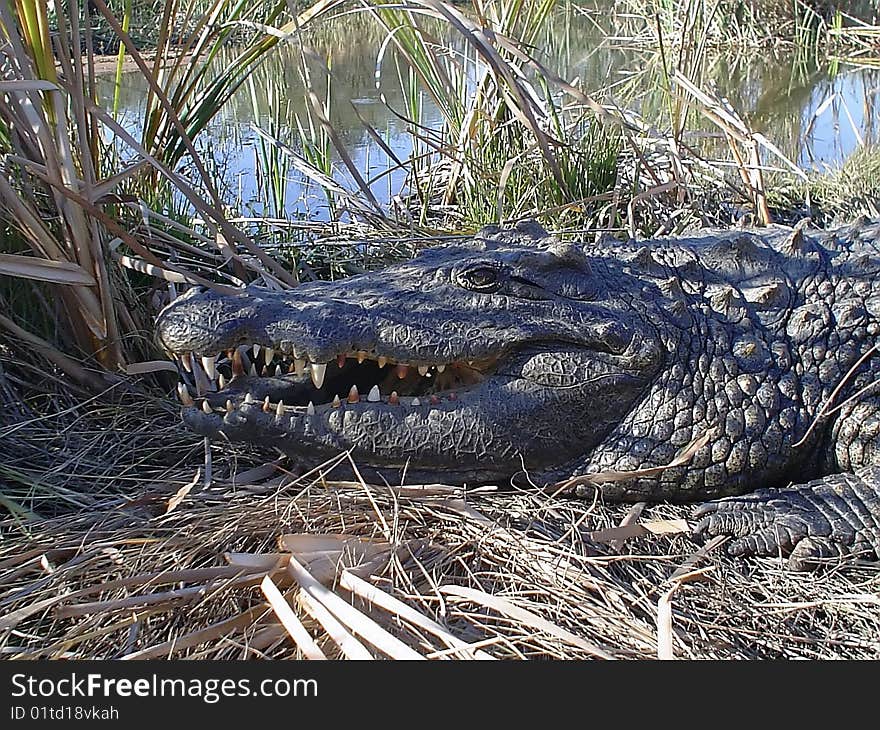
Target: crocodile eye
{"x": 481, "y": 279}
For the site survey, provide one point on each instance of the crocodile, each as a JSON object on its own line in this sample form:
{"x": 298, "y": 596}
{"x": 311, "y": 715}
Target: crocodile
{"x": 736, "y": 368}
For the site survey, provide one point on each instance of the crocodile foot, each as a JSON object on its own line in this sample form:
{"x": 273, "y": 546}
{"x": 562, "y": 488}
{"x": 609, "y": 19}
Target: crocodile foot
{"x": 828, "y": 518}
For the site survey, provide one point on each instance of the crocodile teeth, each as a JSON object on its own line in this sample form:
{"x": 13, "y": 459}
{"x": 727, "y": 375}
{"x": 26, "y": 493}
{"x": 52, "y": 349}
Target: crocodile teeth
{"x": 278, "y": 371}
{"x": 229, "y": 406}
{"x": 187, "y": 365}
{"x": 279, "y": 409}
{"x": 209, "y": 363}
{"x": 310, "y": 409}
{"x": 336, "y": 402}
{"x": 353, "y": 395}
{"x": 373, "y": 396}
{"x": 269, "y": 355}
{"x": 361, "y": 356}
{"x": 266, "y": 406}
{"x": 237, "y": 364}
{"x": 253, "y": 370}
{"x": 402, "y": 370}
{"x": 340, "y": 361}
{"x": 416, "y": 402}
{"x": 299, "y": 366}
{"x": 183, "y": 394}
{"x": 383, "y": 361}
{"x": 423, "y": 370}
{"x": 393, "y": 399}
{"x": 221, "y": 381}
{"x": 441, "y": 368}
{"x": 256, "y": 350}
{"x": 248, "y": 398}
{"x": 319, "y": 369}
{"x": 434, "y": 400}
{"x": 203, "y": 383}
{"x": 205, "y": 407}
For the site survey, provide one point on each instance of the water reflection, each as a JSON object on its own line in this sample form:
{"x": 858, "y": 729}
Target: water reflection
{"x": 816, "y": 112}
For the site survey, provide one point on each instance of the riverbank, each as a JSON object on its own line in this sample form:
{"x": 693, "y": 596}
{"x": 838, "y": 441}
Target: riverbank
{"x": 354, "y": 144}
{"x": 107, "y": 65}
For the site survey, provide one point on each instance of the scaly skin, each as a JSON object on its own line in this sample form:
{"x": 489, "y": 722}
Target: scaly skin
{"x": 587, "y": 360}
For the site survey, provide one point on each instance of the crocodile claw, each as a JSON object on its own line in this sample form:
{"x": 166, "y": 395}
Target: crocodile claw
{"x": 807, "y": 523}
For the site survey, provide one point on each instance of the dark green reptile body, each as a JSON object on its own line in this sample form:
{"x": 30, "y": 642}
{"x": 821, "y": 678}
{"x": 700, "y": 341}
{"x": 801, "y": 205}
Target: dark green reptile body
{"x": 594, "y": 359}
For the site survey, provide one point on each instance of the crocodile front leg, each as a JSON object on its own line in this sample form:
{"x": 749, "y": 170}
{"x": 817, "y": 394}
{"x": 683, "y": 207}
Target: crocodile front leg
{"x": 830, "y": 517}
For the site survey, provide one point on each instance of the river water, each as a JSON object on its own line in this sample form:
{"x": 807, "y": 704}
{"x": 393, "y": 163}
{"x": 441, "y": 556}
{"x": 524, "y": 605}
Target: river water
{"x": 816, "y": 110}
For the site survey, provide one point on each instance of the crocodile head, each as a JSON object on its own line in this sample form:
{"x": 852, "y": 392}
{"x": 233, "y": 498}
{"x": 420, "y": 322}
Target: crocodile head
{"x": 468, "y": 363}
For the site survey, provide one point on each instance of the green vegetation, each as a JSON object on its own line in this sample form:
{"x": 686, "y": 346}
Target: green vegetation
{"x": 833, "y": 197}
{"x": 506, "y": 148}
{"x": 66, "y": 185}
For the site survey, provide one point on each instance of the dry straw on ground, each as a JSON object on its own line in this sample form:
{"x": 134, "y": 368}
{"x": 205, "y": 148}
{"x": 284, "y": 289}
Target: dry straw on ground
{"x": 142, "y": 560}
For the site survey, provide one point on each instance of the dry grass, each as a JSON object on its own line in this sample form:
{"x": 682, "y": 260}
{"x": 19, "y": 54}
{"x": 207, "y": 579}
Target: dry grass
{"x": 142, "y": 560}
{"x": 115, "y": 548}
